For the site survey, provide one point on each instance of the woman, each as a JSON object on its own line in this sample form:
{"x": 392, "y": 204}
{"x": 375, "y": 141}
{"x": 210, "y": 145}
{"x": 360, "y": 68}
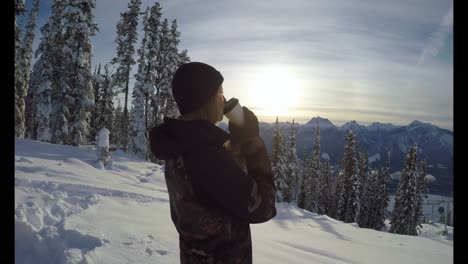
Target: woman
{"x": 218, "y": 182}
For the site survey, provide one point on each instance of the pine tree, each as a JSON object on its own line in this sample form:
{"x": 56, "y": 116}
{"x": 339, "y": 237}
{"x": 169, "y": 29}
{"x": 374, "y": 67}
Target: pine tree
{"x": 60, "y": 92}
{"x": 126, "y": 39}
{"x": 79, "y": 28}
{"x": 96, "y": 81}
{"x": 349, "y": 184}
{"x": 303, "y": 180}
{"x": 19, "y": 82}
{"x": 183, "y": 57}
{"x": 117, "y": 125}
{"x": 19, "y": 7}
{"x": 105, "y": 104}
{"x": 46, "y": 111}
{"x": 173, "y": 62}
{"x": 325, "y": 190}
{"x": 31, "y": 101}
{"x": 144, "y": 88}
{"x": 374, "y": 198}
{"x": 291, "y": 166}
{"x": 420, "y": 195}
{"x": 402, "y": 221}
{"x": 382, "y": 201}
{"x": 365, "y": 191}
{"x": 163, "y": 81}
{"x": 24, "y": 64}
{"x": 278, "y": 162}
{"x": 313, "y": 170}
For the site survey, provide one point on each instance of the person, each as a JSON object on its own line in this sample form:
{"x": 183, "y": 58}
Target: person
{"x": 218, "y": 183}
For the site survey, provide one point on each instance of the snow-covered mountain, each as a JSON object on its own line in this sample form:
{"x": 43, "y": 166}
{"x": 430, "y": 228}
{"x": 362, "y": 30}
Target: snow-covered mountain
{"x": 377, "y": 126}
{"x": 323, "y": 123}
{"x": 354, "y": 126}
{"x": 70, "y": 210}
{"x": 379, "y": 140}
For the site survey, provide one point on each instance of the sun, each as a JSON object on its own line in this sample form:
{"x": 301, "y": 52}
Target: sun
{"x": 274, "y": 91}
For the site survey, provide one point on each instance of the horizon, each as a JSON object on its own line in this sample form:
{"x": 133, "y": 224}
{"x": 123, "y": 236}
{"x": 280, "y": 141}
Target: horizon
{"x": 348, "y": 60}
{"x": 339, "y": 123}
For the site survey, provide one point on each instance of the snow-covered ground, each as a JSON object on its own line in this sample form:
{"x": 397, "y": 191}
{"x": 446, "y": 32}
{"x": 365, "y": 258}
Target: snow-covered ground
{"x": 68, "y": 209}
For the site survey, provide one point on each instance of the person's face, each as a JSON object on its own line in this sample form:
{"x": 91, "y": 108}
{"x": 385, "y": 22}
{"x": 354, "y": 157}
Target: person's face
{"x": 220, "y": 104}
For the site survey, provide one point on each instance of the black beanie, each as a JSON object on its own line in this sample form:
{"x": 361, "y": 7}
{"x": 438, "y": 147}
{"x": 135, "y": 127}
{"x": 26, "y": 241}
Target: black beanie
{"x": 193, "y": 84}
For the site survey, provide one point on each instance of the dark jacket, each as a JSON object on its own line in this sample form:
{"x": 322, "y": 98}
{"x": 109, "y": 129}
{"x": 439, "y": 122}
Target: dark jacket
{"x": 213, "y": 197}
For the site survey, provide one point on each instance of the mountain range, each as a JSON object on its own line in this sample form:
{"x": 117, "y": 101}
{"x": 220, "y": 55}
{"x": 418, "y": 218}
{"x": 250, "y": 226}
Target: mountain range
{"x": 381, "y": 141}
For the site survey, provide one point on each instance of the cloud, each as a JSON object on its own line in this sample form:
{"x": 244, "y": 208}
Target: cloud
{"x": 438, "y": 38}
{"x": 353, "y": 59}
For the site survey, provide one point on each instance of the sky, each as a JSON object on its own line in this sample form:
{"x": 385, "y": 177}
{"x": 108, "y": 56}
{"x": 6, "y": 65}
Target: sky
{"x": 71, "y": 209}
{"x": 364, "y": 60}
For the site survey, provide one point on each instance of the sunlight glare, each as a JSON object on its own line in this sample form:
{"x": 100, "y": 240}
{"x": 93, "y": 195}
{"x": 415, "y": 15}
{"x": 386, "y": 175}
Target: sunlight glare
{"x": 275, "y": 91}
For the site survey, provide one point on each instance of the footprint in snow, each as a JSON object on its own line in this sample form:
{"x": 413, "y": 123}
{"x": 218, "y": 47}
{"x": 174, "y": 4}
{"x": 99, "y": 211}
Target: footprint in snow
{"x": 143, "y": 180}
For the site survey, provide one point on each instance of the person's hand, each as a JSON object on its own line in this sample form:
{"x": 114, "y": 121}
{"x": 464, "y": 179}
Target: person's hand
{"x": 250, "y": 128}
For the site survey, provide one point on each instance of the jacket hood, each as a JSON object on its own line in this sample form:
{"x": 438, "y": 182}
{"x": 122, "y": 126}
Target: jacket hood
{"x": 175, "y": 137}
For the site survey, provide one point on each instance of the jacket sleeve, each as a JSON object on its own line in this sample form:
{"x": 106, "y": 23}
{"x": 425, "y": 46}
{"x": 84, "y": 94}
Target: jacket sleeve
{"x": 220, "y": 181}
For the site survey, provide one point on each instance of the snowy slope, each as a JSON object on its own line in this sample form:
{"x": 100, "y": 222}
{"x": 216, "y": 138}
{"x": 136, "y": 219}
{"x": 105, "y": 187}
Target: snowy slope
{"x": 68, "y": 210}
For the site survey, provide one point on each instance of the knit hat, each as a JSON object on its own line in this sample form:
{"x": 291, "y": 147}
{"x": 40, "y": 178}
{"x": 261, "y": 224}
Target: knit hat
{"x": 193, "y": 84}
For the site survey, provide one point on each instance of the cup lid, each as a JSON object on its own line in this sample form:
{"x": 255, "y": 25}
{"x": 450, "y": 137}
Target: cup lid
{"x": 229, "y": 105}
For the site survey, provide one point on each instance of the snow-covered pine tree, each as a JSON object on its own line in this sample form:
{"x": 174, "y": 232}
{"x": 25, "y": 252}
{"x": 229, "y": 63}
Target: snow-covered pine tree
{"x": 313, "y": 170}
{"x": 163, "y": 81}
{"x": 348, "y": 181}
{"x": 331, "y": 211}
{"x": 382, "y": 200}
{"x": 138, "y": 138}
{"x": 105, "y": 104}
{"x": 183, "y": 57}
{"x": 144, "y": 88}
{"x": 291, "y": 166}
{"x": 19, "y": 7}
{"x": 118, "y": 124}
{"x": 43, "y": 86}
{"x": 365, "y": 191}
{"x": 325, "y": 191}
{"x": 96, "y": 81}
{"x": 171, "y": 109}
{"x": 60, "y": 95}
{"x": 373, "y": 183}
{"x": 79, "y": 27}
{"x": 47, "y": 92}
{"x": 103, "y": 146}
{"x": 304, "y": 174}
{"x": 19, "y": 82}
{"x": 126, "y": 39}
{"x": 354, "y": 202}
{"x": 421, "y": 191}
{"x": 278, "y": 163}
{"x": 405, "y": 199}
{"x": 24, "y": 56}
{"x": 31, "y": 100}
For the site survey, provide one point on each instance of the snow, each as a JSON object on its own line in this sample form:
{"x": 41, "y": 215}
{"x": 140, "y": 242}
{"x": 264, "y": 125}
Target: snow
{"x": 430, "y": 178}
{"x": 103, "y": 138}
{"x": 323, "y": 123}
{"x": 396, "y": 175}
{"x": 325, "y": 156}
{"x": 352, "y": 125}
{"x": 377, "y": 126}
{"x": 374, "y": 157}
{"x": 68, "y": 210}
